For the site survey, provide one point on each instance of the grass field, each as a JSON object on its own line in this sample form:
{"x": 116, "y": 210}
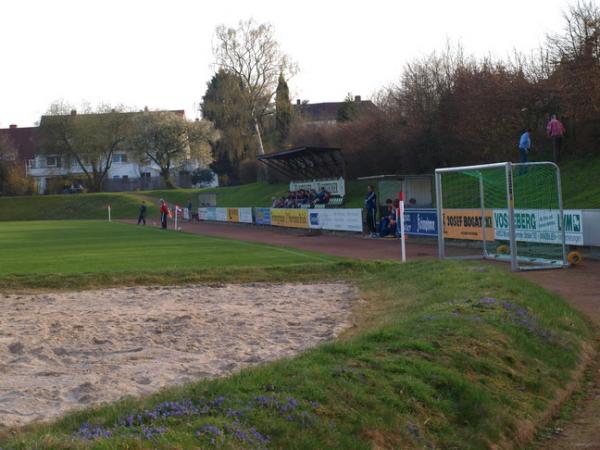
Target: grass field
{"x": 442, "y": 354}
{"x": 76, "y": 247}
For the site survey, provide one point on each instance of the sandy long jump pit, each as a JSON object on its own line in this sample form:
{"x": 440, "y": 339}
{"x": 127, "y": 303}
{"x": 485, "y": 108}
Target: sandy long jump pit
{"x": 63, "y": 351}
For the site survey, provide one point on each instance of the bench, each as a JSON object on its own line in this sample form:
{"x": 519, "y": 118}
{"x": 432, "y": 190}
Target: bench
{"x": 335, "y": 202}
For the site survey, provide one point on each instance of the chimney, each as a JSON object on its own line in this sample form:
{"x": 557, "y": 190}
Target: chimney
{"x": 357, "y": 98}
{"x": 73, "y": 112}
{"x": 298, "y": 102}
{"x": 12, "y": 126}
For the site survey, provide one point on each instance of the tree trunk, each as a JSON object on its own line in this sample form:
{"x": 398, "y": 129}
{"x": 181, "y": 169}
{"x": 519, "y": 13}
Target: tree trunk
{"x": 166, "y": 176}
{"x": 261, "y": 174}
{"x": 261, "y": 149}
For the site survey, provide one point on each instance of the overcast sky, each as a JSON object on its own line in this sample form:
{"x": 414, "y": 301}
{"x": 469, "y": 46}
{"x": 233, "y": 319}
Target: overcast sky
{"x": 158, "y": 53}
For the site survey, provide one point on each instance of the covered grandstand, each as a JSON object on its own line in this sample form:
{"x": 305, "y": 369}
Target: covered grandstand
{"x": 312, "y": 168}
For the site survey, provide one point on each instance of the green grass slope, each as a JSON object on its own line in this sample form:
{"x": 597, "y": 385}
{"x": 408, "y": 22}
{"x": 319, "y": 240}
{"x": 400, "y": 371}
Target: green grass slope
{"x": 579, "y": 181}
{"x": 442, "y": 355}
{"x": 75, "y": 206}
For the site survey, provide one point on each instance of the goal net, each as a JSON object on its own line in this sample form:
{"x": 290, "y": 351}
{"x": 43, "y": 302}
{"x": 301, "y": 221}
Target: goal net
{"x": 502, "y": 211}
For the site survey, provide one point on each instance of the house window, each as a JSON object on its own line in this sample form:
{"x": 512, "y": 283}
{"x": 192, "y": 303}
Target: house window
{"x": 146, "y": 175}
{"x": 116, "y": 177}
{"x": 120, "y": 158}
{"x": 125, "y": 179}
{"x": 52, "y": 161}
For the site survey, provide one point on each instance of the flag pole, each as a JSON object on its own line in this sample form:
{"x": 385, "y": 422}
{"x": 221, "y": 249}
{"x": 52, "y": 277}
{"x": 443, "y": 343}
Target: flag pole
{"x": 402, "y": 241}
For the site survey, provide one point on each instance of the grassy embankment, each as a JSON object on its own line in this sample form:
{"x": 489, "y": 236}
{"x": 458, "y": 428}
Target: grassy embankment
{"x": 579, "y": 179}
{"x": 442, "y": 354}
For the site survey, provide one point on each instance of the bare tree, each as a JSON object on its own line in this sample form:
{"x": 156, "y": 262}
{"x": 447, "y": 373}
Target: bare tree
{"x": 252, "y": 53}
{"x": 580, "y": 37}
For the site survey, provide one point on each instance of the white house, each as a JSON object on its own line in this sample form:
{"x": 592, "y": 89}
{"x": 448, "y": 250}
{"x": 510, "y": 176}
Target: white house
{"x": 125, "y": 172}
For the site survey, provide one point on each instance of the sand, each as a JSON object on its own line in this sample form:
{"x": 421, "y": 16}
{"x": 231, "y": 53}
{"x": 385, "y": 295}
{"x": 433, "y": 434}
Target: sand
{"x": 64, "y": 351}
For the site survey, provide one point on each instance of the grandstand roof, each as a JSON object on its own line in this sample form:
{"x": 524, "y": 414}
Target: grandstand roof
{"x": 307, "y": 162}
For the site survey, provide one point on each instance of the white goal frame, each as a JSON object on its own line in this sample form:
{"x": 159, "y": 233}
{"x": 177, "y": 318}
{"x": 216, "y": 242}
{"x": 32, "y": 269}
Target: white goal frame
{"x": 513, "y": 257}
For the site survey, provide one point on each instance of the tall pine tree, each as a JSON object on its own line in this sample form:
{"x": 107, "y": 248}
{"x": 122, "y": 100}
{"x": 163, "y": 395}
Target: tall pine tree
{"x": 348, "y": 111}
{"x": 223, "y": 104}
{"x": 283, "y": 111}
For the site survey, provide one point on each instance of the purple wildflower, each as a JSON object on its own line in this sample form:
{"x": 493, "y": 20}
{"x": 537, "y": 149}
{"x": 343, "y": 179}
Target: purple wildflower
{"x": 91, "y": 432}
{"x": 236, "y": 414}
{"x": 291, "y": 404}
{"x": 213, "y": 432}
{"x": 150, "y": 432}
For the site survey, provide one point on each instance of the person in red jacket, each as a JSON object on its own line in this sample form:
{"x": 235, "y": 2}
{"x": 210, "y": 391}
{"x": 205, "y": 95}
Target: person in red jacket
{"x": 164, "y": 213}
{"x": 556, "y": 131}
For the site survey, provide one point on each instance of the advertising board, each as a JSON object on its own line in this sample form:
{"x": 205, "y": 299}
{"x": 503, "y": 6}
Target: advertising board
{"x": 207, "y": 213}
{"x": 420, "y": 222}
{"x": 466, "y": 224}
{"x": 233, "y": 215}
{"x": 262, "y": 216}
{"x": 292, "y": 218}
{"x": 540, "y": 225}
{"x": 221, "y": 214}
{"x": 347, "y": 219}
{"x": 245, "y": 215}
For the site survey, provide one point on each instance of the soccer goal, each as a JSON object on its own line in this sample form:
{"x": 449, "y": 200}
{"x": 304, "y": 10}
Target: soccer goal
{"x": 502, "y": 211}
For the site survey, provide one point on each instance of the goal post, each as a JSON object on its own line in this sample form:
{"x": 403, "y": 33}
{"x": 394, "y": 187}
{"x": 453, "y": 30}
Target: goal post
{"x": 502, "y": 211}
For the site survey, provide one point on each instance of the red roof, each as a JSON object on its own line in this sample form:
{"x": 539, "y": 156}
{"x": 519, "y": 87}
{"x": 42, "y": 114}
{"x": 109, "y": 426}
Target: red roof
{"x": 26, "y": 140}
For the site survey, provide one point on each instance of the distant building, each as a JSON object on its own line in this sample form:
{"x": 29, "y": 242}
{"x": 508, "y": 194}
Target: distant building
{"x": 327, "y": 113}
{"x": 126, "y": 173}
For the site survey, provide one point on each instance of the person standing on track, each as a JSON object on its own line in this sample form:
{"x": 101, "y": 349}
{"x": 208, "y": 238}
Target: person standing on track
{"x": 189, "y": 208}
{"x": 371, "y": 208}
{"x": 142, "y": 217}
{"x": 164, "y": 214}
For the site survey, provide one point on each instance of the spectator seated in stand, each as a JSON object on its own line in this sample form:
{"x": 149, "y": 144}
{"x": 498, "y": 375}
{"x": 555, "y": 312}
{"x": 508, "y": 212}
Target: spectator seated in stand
{"x": 387, "y": 224}
{"x": 323, "y": 197}
{"x": 304, "y": 198}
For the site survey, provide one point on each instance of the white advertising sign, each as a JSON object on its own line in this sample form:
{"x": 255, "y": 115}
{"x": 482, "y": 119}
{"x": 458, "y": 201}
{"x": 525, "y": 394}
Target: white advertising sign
{"x": 540, "y": 225}
{"x": 245, "y": 215}
{"x": 221, "y": 214}
{"x": 349, "y": 219}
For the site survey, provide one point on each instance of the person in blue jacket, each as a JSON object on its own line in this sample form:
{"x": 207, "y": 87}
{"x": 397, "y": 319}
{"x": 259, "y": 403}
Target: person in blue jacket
{"x": 525, "y": 145}
{"x": 371, "y": 209}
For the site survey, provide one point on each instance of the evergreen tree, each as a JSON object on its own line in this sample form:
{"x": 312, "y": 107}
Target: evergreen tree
{"x": 283, "y": 111}
{"x": 224, "y": 105}
{"x": 348, "y": 110}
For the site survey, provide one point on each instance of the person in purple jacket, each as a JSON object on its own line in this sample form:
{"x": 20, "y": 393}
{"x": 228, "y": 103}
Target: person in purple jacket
{"x": 556, "y": 131}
